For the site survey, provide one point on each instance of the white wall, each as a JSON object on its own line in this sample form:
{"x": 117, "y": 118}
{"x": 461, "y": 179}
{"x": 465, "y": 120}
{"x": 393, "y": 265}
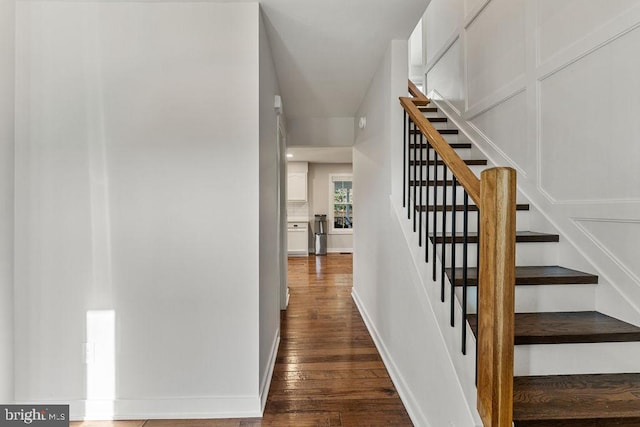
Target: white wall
{"x": 270, "y": 225}
{"x": 417, "y": 57}
{"x": 318, "y": 181}
{"x": 7, "y": 28}
{"x": 551, "y": 97}
{"x": 137, "y": 181}
{"x": 387, "y": 285}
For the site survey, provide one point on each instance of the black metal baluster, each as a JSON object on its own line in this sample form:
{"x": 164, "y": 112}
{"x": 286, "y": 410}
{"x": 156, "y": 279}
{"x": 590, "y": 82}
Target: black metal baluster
{"x": 453, "y": 247}
{"x": 426, "y": 212}
{"x": 478, "y": 292}
{"x": 420, "y": 197}
{"x": 465, "y": 244}
{"x": 404, "y": 161}
{"x": 415, "y": 176}
{"x": 412, "y": 126}
{"x": 443, "y": 248}
{"x": 435, "y": 211}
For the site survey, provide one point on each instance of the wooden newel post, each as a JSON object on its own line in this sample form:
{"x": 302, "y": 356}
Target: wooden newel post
{"x": 496, "y": 296}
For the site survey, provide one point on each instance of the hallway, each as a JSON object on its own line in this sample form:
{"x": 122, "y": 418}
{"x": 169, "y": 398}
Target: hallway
{"x": 328, "y": 371}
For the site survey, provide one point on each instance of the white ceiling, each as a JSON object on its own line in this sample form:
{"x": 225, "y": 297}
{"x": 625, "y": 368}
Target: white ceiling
{"x": 327, "y": 51}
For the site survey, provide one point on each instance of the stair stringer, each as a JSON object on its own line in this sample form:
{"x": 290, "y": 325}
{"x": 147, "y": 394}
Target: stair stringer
{"x": 618, "y": 291}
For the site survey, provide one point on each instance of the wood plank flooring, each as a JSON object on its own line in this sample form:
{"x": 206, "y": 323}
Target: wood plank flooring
{"x": 328, "y": 371}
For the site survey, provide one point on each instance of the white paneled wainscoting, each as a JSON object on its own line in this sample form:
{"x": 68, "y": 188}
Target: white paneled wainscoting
{"x": 552, "y": 97}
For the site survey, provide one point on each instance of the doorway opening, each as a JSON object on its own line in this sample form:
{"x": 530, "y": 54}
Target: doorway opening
{"x": 321, "y": 205}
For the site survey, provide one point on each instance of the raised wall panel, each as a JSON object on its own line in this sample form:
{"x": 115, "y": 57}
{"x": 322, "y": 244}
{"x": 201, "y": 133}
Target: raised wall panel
{"x": 472, "y": 5}
{"x": 511, "y": 139}
{"x": 589, "y": 120}
{"x": 619, "y": 238}
{"x": 447, "y": 77}
{"x": 556, "y": 32}
{"x": 442, "y": 21}
{"x": 495, "y": 48}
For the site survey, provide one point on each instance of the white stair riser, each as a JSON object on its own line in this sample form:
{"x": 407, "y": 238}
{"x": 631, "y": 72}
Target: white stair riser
{"x": 439, "y": 192}
{"x": 441, "y": 125}
{"x": 567, "y": 359}
{"x": 464, "y": 153}
{"x": 549, "y": 298}
{"x": 449, "y": 192}
{"x": 444, "y": 125}
{"x": 544, "y": 298}
{"x": 460, "y": 137}
{"x": 526, "y": 254}
{"x": 476, "y": 169}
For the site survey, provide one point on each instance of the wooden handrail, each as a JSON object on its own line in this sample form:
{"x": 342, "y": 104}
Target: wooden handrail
{"x": 419, "y": 98}
{"x": 495, "y": 195}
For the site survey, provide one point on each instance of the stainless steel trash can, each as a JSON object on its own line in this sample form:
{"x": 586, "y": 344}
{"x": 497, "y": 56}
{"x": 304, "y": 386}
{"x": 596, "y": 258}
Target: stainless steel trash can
{"x": 320, "y": 234}
{"x": 321, "y": 244}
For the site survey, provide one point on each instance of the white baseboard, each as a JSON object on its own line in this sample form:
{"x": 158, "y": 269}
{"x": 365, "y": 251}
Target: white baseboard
{"x": 339, "y": 250}
{"x": 336, "y": 251}
{"x": 407, "y": 397}
{"x": 170, "y": 408}
{"x": 298, "y": 253}
{"x": 266, "y": 380}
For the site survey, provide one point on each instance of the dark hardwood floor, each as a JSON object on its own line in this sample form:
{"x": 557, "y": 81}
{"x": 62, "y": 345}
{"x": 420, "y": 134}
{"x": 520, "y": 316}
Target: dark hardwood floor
{"x": 328, "y": 363}
{"x": 328, "y": 371}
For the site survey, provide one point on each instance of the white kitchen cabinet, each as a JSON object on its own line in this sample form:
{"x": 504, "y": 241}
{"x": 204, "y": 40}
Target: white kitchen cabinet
{"x": 297, "y": 187}
{"x": 298, "y": 238}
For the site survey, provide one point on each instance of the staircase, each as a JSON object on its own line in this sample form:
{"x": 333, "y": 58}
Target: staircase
{"x": 557, "y": 328}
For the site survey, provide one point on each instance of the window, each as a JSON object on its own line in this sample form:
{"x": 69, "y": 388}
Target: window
{"x": 341, "y": 204}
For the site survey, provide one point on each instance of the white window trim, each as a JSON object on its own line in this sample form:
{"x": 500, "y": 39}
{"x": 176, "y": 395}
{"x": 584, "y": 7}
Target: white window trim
{"x": 330, "y": 218}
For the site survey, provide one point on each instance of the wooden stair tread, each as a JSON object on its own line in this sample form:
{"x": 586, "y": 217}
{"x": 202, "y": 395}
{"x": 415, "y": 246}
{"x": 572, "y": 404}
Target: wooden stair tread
{"x": 426, "y": 109}
{"x": 431, "y": 182}
{"x": 460, "y": 208}
{"x": 470, "y": 162}
{"x": 594, "y": 400}
{"x": 534, "y": 275}
{"x": 437, "y": 119}
{"x": 454, "y": 145}
{"x": 441, "y": 131}
{"x": 521, "y": 237}
{"x": 568, "y": 328}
